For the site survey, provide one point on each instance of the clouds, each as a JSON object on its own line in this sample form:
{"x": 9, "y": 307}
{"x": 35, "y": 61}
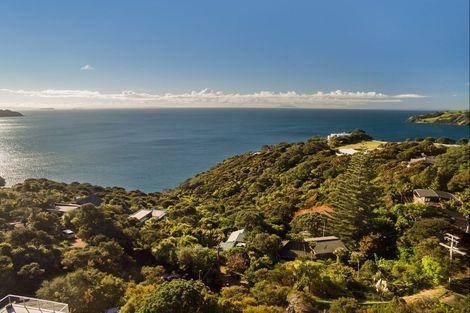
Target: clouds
{"x": 203, "y": 98}
{"x": 87, "y": 67}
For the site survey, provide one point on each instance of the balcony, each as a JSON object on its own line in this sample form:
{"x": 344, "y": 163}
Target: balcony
{"x": 20, "y": 304}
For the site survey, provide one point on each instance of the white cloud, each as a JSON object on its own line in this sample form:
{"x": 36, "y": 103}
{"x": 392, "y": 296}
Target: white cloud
{"x": 202, "y": 98}
{"x": 409, "y": 96}
{"x": 87, "y": 67}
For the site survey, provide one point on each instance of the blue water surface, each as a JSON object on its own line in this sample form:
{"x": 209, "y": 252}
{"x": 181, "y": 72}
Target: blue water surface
{"x": 156, "y": 149}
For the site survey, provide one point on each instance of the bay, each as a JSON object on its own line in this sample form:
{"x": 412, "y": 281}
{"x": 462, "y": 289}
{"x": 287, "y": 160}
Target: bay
{"x": 156, "y": 149}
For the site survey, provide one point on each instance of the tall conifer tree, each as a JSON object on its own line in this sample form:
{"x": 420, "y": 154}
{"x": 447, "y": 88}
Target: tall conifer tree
{"x": 354, "y": 199}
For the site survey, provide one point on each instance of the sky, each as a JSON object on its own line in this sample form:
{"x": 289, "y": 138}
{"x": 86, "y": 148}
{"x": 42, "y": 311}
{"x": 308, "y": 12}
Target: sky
{"x": 398, "y": 54}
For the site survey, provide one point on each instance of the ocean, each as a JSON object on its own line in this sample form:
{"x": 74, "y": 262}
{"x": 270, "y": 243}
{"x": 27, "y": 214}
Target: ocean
{"x": 156, "y": 149}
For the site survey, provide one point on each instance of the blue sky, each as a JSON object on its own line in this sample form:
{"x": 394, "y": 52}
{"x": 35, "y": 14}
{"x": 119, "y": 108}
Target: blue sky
{"x": 336, "y": 53}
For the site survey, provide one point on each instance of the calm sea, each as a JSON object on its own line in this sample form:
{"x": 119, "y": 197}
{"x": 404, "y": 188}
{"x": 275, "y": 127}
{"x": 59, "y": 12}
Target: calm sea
{"x": 152, "y": 150}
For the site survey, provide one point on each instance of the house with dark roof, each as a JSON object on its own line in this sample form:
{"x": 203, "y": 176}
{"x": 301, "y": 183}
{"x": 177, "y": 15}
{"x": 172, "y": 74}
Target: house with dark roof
{"x": 311, "y": 248}
{"x": 236, "y": 239}
{"x": 91, "y": 199}
{"x": 325, "y": 246}
{"x": 430, "y": 196}
{"x": 295, "y": 249}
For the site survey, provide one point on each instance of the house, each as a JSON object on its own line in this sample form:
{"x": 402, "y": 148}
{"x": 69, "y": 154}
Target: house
{"x": 340, "y": 135}
{"x": 430, "y": 196}
{"x": 423, "y": 158}
{"x": 91, "y": 199}
{"x": 62, "y": 208}
{"x": 325, "y": 246}
{"x": 143, "y": 214}
{"x": 20, "y": 304}
{"x": 294, "y": 249}
{"x": 311, "y": 248}
{"x": 236, "y": 239}
{"x": 68, "y": 233}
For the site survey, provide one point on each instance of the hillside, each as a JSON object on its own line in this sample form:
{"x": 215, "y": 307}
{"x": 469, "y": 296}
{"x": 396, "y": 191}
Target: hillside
{"x": 447, "y": 117}
{"x": 8, "y": 113}
{"x": 116, "y": 260}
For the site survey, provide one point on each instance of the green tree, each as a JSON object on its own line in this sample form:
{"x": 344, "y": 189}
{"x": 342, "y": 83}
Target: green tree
{"x": 180, "y": 296}
{"x": 433, "y": 270}
{"x": 354, "y": 198}
{"x": 344, "y": 305}
{"x": 7, "y": 275}
{"x": 265, "y": 244}
{"x": 85, "y": 290}
{"x": 135, "y": 296}
{"x": 164, "y": 252}
{"x": 201, "y": 263}
{"x": 464, "y": 206}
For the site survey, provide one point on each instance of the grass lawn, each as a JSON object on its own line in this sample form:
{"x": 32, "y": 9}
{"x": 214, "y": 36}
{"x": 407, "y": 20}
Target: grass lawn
{"x": 364, "y": 145}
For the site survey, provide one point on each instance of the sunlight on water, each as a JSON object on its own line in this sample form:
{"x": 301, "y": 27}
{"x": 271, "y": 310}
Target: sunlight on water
{"x": 156, "y": 149}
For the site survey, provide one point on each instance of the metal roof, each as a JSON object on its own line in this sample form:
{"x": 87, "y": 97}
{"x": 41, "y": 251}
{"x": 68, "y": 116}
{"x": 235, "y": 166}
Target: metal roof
{"x": 430, "y": 193}
{"x": 237, "y": 236}
{"x": 141, "y": 214}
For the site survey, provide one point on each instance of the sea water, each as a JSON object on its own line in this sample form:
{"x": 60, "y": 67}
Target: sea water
{"x": 156, "y": 149}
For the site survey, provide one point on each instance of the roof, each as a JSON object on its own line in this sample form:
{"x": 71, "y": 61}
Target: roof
{"x": 64, "y": 208}
{"x": 93, "y": 199}
{"x": 445, "y": 195}
{"x": 141, "y": 214}
{"x": 145, "y": 214}
{"x": 67, "y": 231}
{"x": 293, "y": 249}
{"x": 237, "y": 236}
{"x": 158, "y": 214}
{"x": 236, "y": 239}
{"x": 326, "y": 238}
{"x": 338, "y": 135}
{"x": 430, "y": 159}
{"x": 327, "y": 245}
{"x": 430, "y": 193}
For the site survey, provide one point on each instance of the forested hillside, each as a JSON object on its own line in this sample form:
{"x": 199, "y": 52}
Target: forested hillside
{"x": 448, "y": 117}
{"x": 173, "y": 264}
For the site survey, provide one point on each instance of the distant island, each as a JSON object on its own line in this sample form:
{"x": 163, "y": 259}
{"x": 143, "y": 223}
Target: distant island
{"x": 8, "y": 113}
{"x": 447, "y": 117}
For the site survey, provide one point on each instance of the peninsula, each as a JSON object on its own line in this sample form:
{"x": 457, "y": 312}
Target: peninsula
{"x": 8, "y": 113}
{"x": 446, "y": 117}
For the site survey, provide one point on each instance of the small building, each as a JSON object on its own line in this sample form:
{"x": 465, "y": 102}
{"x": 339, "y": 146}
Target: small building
{"x": 236, "y": 239}
{"x": 431, "y": 196}
{"x": 144, "y": 214}
{"x": 311, "y": 248}
{"x": 424, "y": 159}
{"x": 68, "y": 233}
{"x": 91, "y": 199}
{"x": 62, "y": 208}
{"x": 294, "y": 249}
{"x": 337, "y": 135}
{"x": 325, "y": 246}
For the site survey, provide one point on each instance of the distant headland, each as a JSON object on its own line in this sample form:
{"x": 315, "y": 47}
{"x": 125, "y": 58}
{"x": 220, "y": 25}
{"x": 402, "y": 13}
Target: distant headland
{"x": 8, "y": 113}
{"x": 446, "y": 117}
